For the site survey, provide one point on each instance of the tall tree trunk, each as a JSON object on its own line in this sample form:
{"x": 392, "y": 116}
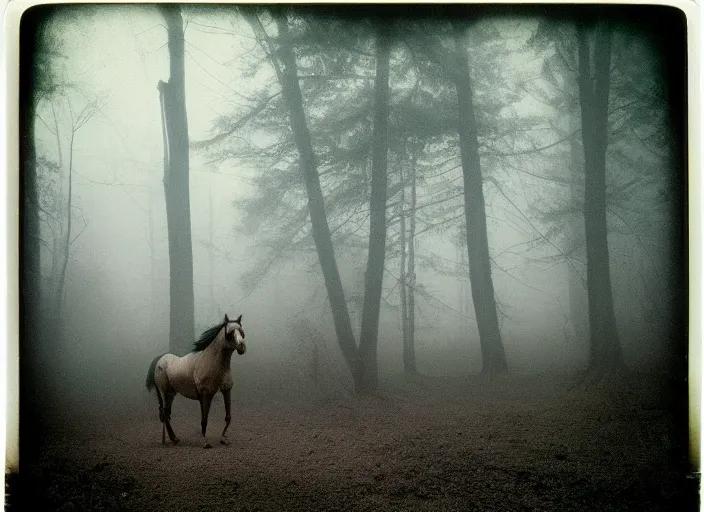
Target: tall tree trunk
{"x": 377, "y": 217}
{"x": 595, "y": 55}
{"x": 402, "y": 288}
{"x": 176, "y": 187}
{"x": 66, "y": 240}
{"x": 493, "y": 357}
{"x": 461, "y": 255}
{"x": 411, "y": 278}
{"x": 408, "y": 273}
{"x": 577, "y": 292}
{"x": 57, "y": 255}
{"x": 319, "y": 222}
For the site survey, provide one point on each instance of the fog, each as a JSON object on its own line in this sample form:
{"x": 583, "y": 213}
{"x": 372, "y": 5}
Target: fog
{"x": 115, "y": 310}
{"x": 456, "y": 238}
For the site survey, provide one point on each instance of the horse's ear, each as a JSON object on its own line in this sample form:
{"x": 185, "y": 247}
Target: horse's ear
{"x": 239, "y": 320}
{"x": 227, "y": 320}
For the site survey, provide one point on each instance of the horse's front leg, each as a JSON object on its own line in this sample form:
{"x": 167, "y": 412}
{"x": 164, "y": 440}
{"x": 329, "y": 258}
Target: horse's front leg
{"x": 205, "y": 400}
{"x": 226, "y": 399}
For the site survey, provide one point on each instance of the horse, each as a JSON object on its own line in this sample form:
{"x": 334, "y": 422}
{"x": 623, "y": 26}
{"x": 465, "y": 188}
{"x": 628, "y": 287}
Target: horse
{"x": 198, "y": 375}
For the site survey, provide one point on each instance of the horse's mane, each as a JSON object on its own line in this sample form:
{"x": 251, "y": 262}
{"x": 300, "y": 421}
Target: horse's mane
{"x": 208, "y": 336}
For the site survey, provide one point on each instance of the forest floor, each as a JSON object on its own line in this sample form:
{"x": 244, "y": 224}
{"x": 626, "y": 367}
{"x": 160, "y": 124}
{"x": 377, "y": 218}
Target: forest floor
{"x": 507, "y": 444}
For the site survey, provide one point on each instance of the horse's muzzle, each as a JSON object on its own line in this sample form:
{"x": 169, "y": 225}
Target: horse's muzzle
{"x": 241, "y": 349}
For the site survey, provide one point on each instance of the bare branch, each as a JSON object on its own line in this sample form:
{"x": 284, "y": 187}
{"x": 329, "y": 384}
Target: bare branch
{"x": 265, "y": 41}
{"x": 46, "y": 244}
{"x": 351, "y": 76}
{"x": 46, "y": 124}
{"x": 565, "y": 257}
{"x": 78, "y": 235}
{"x": 87, "y": 113}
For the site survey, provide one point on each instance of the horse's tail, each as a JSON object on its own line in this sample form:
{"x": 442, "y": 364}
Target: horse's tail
{"x": 150, "y": 374}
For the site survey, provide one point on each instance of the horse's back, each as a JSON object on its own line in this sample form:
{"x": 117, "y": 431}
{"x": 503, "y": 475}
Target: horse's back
{"x": 175, "y": 374}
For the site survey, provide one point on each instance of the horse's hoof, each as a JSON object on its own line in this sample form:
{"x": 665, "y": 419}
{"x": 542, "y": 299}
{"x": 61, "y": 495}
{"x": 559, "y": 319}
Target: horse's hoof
{"x": 207, "y": 445}
{"x": 224, "y": 442}
{"x": 175, "y": 440}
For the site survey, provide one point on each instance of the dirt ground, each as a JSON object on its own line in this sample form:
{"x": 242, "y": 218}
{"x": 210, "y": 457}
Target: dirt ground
{"x": 508, "y": 444}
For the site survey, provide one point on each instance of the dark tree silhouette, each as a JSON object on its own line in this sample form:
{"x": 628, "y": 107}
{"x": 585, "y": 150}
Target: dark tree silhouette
{"x": 63, "y": 214}
{"x": 594, "y": 69}
{"x": 176, "y": 187}
{"x": 493, "y": 357}
{"x": 316, "y": 205}
{"x": 402, "y": 287}
{"x": 377, "y": 216}
{"x": 407, "y": 280}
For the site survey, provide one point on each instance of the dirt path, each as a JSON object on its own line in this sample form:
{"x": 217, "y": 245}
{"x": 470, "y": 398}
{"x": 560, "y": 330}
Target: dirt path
{"x": 512, "y": 444}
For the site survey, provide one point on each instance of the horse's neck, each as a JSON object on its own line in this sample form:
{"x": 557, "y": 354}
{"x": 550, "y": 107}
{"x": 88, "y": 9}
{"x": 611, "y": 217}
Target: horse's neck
{"x": 215, "y": 353}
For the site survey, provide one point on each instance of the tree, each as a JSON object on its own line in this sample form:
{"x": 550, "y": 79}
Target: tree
{"x": 408, "y": 273}
{"x": 557, "y": 90}
{"x": 639, "y": 179}
{"x": 176, "y": 186}
{"x": 594, "y": 70}
{"x": 288, "y": 76}
{"x": 377, "y": 214}
{"x": 59, "y": 215}
{"x": 493, "y": 357}
{"x": 362, "y": 359}
{"x": 474, "y": 143}
{"x": 38, "y": 81}
{"x": 334, "y": 60}
{"x": 408, "y": 361}
{"x": 40, "y": 84}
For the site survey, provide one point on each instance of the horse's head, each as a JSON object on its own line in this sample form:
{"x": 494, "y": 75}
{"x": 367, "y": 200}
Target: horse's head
{"x": 234, "y": 334}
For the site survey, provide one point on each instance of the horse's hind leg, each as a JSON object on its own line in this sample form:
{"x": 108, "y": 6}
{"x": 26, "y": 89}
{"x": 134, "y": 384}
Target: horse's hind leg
{"x": 226, "y": 399}
{"x": 161, "y": 414}
{"x": 205, "y": 401}
{"x": 169, "y": 396}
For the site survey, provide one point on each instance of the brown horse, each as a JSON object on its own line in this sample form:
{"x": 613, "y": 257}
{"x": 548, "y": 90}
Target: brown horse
{"x": 198, "y": 375}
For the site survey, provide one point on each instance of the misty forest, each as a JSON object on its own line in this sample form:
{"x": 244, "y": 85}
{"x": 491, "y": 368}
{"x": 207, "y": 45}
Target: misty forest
{"x": 454, "y": 240}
